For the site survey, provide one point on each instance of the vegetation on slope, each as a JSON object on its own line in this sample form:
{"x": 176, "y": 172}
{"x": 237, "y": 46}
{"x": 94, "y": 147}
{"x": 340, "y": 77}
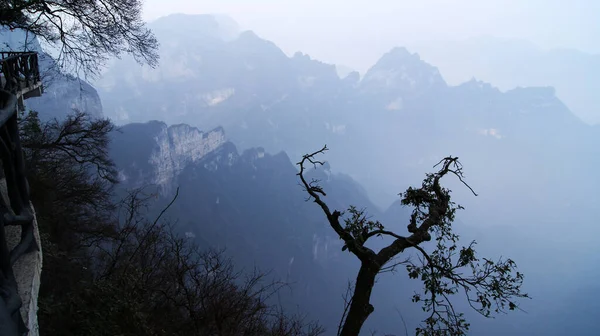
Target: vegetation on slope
{"x": 110, "y": 270}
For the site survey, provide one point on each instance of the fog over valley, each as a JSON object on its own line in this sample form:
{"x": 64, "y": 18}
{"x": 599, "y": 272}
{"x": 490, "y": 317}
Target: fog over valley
{"x": 492, "y": 103}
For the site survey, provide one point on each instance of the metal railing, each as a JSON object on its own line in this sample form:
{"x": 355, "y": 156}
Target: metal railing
{"x": 20, "y": 72}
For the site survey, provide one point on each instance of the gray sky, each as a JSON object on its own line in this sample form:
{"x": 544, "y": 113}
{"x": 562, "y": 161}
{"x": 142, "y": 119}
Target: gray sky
{"x": 357, "y": 32}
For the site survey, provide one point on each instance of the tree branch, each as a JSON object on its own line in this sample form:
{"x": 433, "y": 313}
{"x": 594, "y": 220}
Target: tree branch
{"x": 495, "y": 284}
{"x": 314, "y": 190}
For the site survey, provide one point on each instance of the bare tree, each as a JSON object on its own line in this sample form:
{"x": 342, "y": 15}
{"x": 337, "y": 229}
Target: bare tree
{"x": 78, "y": 138}
{"x": 448, "y": 270}
{"x": 85, "y": 33}
{"x": 112, "y": 270}
{"x": 70, "y": 173}
{"x": 188, "y": 290}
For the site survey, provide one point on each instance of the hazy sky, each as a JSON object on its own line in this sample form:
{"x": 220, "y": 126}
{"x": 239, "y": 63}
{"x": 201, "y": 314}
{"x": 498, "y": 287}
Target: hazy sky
{"x": 356, "y": 33}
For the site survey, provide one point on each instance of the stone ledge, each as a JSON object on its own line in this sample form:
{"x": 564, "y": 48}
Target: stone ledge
{"x": 27, "y": 269}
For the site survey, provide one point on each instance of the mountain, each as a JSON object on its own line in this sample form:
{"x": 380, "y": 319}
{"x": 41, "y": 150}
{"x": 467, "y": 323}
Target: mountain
{"x": 531, "y": 160}
{"x": 401, "y": 74}
{"x": 385, "y": 130}
{"x": 249, "y": 203}
{"x": 264, "y": 98}
{"x": 343, "y": 71}
{"x": 62, "y": 92}
{"x": 512, "y": 63}
{"x": 157, "y": 154}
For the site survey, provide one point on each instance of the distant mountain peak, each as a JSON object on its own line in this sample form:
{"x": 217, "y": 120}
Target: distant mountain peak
{"x": 403, "y": 52}
{"x": 311, "y": 68}
{"x": 219, "y": 26}
{"x": 249, "y": 41}
{"x": 399, "y": 56}
{"x": 400, "y": 71}
{"x": 477, "y": 84}
{"x": 301, "y": 55}
{"x": 249, "y": 34}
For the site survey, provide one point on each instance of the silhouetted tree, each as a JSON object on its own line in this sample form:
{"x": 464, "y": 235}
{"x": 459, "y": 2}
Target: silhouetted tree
{"x": 70, "y": 174}
{"x": 86, "y": 33}
{"x": 110, "y": 270}
{"x": 488, "y": 286}
{"x": 187, "y": 291}
{"x": 71, "y": 179}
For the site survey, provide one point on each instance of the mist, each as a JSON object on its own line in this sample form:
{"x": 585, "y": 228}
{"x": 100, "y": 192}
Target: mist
{"x": 245, "y": 89}
{"x": 356, "y": 33}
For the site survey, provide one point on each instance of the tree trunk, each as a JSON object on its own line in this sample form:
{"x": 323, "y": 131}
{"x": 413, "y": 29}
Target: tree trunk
{"x": 360, "y": 308}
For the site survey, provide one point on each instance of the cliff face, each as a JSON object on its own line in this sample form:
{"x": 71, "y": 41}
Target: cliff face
{"x": 397, "y": 121}
{"x": 248, "y": 202}
{"x": 531, "y": 160}
{"x": 64, "y": 94}
{"x": 154, "y": 153}
{"x": 180, "y": 145}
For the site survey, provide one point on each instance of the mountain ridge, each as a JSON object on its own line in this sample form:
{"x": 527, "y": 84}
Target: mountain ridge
{"x": 291, "y": 97}
{"x": 250, "y": 203}
{"x": 529, "y": 158}
{"x": 511, "y": 63}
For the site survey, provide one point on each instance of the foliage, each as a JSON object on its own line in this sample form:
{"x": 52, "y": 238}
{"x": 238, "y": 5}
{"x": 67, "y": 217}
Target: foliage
{"x": 489, "y": 287}
{"x": 85, "y": 33}
{"x": 359, "y": 226}
{"x": 110, "y": 270}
